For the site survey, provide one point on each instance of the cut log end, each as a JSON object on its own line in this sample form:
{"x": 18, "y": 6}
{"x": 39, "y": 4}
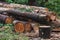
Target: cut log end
{"x": 51, "y": 16}
{"x": 8, "y": 20}
{"x": 19, "y": 27}
{"x": 28, "y": 27}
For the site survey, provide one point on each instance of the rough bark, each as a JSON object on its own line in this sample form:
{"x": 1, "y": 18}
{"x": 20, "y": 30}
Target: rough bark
{"x": 41, "y": 18}
{"x": 45, "y": 19}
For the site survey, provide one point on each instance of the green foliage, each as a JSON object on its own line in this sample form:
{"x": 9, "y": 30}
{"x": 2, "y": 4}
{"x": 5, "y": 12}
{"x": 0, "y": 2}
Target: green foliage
{"x": 21, "y": 1}
{"x": 17, "y": 1}
{"x": 53, "y": 5}
{"x": 9, "y": 1}
{"x": 1, "y": 24}
{"x": 40, "y": 2}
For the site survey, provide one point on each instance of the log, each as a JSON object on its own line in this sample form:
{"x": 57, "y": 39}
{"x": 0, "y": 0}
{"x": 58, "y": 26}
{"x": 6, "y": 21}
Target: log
{"x": 2, "y": 10}
{"x": 18, "y": 26}
{"x": 5, "y": 19}
{"x": 22, "y": 26}
{"x": 56, "y": 23}
{"x": 50, "y": 15}
{"x": 56, "y": 29}
{"x": 28, "y": 27}
{"x": 41, "y": 18}
{"x": 45, "y": 19}
{"x": 19, "y": 18}
{"x": 12, "y": 5}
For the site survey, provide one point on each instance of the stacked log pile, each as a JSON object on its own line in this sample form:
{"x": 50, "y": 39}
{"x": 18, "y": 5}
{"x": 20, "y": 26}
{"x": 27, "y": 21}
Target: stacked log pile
{"x": 38, "y": 15}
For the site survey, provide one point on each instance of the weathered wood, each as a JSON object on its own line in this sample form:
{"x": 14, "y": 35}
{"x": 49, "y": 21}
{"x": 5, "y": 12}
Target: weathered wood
{"x": 5, "y": 19}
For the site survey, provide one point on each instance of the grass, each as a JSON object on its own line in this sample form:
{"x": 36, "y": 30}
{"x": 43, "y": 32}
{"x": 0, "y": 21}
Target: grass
{"x": 8, "y": 34}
